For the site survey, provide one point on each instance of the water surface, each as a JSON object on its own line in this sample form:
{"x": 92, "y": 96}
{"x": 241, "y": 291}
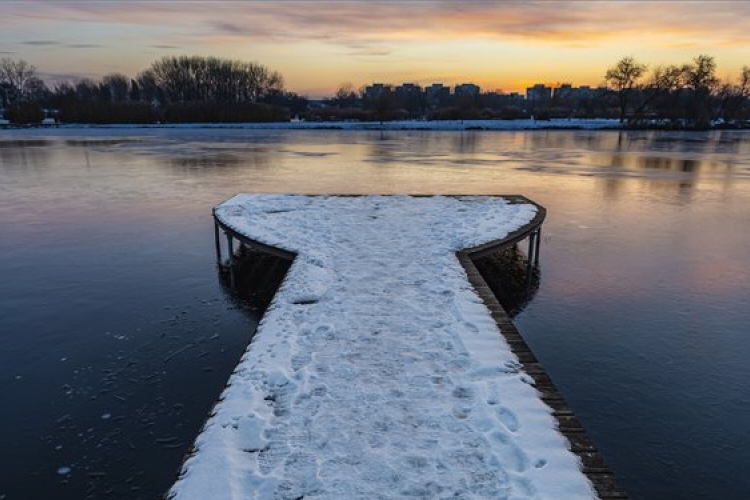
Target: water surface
{"x": 117, "y": 335}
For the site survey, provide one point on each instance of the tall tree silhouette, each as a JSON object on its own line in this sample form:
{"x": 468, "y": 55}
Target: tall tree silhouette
{"x": 623, "y": 77}
{"x": 16, "y": 78}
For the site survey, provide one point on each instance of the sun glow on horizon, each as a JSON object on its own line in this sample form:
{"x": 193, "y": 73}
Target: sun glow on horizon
{"x": 506, "y": 46}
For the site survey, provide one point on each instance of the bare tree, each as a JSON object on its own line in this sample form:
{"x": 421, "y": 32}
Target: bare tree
{"x": 700, "y": 76}
{"x": 734, "y": 97}
{"x": 743, "y": 92}
{"x": 149, "y": 89}
{"x": 7, "y": 94}
{"x": 116, "y": 86}
{"x": 700, "y": 83}
{"x": 744, "y": 85}
{"x": 345, "y": 96}
{"x": 16, "y": 75}
{"x": 86, "y": 90}
{"x": 623, "y": 77}
{"x": 200, "y": 79}
{"x": 661, "y": 89}
{"x": 36, "y": 90}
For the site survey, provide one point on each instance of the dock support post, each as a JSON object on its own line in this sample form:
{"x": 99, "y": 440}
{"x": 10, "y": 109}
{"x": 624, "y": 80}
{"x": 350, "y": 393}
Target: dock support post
{"x": 530, "y": 258}
{"x": 530, "y": 253}
{"x": 538, "y": 243}
{"x": 217, "y": 242}
{"x": 232, "y": 261}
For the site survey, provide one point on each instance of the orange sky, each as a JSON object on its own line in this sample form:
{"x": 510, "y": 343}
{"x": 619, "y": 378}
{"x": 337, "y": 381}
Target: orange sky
{"x": 319, "y": 45}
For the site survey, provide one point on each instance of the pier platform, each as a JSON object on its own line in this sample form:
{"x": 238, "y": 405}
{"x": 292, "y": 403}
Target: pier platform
{"x": 383, "y": 368}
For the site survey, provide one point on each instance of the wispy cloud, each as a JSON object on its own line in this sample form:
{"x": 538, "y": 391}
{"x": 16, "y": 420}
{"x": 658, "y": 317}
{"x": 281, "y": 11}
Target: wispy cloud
{"x": 60, "y": 43}
{"x": 85, "y": 46}
{"x": 316, "y": 42}
{"x": 229, "y": 28}
{"x": 538, "y": 22}
{"x": 40, "y": 43}
{"x": 372, "y": 52}
{"x": 368, "y": 49}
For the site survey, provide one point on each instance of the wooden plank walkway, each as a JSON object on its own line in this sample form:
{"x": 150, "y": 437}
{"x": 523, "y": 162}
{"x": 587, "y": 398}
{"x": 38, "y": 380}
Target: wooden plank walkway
{"x": 592, "y": 461}
{"x": 254, "y": 429}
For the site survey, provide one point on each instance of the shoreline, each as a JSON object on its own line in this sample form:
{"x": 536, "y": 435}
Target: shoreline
{"x": 594, "y": 124}
{"x": 418, "y": 125}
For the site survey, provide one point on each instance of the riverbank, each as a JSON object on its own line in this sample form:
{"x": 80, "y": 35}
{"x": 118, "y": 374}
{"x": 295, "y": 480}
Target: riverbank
{"x": 561, "y": 124}
{"x": 436, "y": 125}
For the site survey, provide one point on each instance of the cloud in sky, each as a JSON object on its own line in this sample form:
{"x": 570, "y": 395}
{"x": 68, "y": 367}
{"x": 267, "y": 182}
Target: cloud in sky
{"x": 366, "y": 36}
{"x": 57, "y": 43}
{"x": 533, "y": 21}
{"x": 85, "y": 46}
{"x": 40, "y": 42}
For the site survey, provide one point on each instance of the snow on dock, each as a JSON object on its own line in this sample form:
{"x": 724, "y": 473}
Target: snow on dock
{"x": 377, "y": 372}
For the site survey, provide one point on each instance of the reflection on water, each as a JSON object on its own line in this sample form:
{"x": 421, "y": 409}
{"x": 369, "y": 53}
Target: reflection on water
{"x": 92, "y": 143}
{"x": 116, "y": 337}
{"x": 507, "y": 274}
{"x": 258, "y": 276}
{"x": 25, "y": 143}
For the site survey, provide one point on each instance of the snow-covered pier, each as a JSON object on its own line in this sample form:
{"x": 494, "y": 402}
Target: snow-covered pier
{"x": 384, "y": 367}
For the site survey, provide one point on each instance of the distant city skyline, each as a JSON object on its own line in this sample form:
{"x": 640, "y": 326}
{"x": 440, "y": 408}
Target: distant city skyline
{"x": 507, "y": 46}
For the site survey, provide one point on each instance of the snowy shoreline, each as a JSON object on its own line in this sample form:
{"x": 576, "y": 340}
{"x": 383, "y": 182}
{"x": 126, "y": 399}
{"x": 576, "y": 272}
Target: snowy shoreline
{"x": 554, "y": 124}
{"x": 377, "y": 372}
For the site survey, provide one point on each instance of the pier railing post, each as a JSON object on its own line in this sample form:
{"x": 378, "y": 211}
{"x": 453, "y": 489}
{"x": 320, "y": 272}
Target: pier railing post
{"x": 232, "y": 261}
{"x": 532, "y": 246}
{"x": 538, "y": 243}
{"x": 530, "y": 259}
{"x": 217, "y": 242}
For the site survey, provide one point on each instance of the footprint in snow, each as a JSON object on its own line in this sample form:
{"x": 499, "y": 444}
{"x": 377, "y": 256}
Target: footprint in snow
{"x": 507, "y": 418}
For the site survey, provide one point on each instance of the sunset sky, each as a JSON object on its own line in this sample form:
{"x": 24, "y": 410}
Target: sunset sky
{"x": 317, "y": 46}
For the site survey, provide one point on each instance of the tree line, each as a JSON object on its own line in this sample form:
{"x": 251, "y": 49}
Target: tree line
{"x": 209, "y": 89}
{"x": 679, "y": 96}
{"x": 172, "y": 90}
{"x": 686, "y": 96}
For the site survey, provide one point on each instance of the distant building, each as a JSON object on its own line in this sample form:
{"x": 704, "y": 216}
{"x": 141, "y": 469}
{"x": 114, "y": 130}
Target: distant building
{"x": 499, "y": 100}
{"x": 466, "y": 89}
{"x": 376, "y": 90}
{"x": 437, "y": 94}
{"x": 408, "y": 90}
{"x": 567, "y": 93}
{"x": 539, "y": 93}
{"x": 564, "y": 92}
{"x": 409, "y": 96}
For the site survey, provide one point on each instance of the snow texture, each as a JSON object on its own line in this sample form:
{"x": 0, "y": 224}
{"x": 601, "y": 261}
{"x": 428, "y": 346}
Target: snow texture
{"x": 377, "y": 372}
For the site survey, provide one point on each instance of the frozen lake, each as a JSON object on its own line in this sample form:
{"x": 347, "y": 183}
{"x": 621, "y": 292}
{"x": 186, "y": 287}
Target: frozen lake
{"x": 116, "y": 335}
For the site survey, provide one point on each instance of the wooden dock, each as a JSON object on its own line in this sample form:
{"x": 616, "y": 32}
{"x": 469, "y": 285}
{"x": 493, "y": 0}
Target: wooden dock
{"x": 592, "y": 464}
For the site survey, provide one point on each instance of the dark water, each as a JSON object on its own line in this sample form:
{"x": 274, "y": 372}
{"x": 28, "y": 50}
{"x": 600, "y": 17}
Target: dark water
{"x": 116, "y": 335}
